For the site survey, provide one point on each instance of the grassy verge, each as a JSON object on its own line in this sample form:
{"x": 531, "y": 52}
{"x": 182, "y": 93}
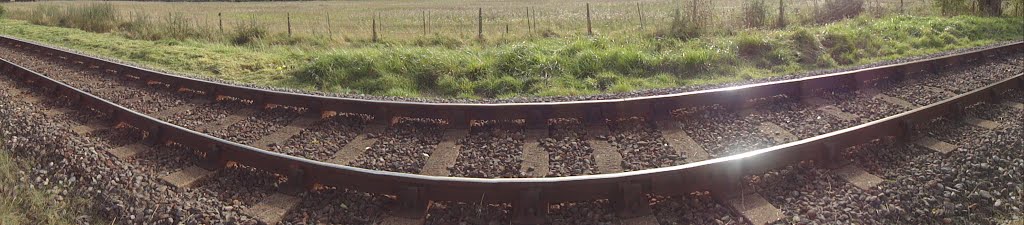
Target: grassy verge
{"x": 23, "y": 204}
{"x": 546, "y": 67}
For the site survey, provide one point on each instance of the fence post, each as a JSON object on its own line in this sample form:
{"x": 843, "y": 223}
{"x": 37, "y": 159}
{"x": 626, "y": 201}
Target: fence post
{"x": 693, "y": 14}
{"x": 901, "y": 6}
{"x": 529, "y": 26}
{"x": 480, "y": 23}
{"x": 374, "y": 29}
{"x": 589, "y": 30}
{"x": 220, "y": 22}
{"x": 782, "y": 14}
{"x": 640, "y": 15}
{"x": 289, "y": 15}
{"x": 534, "y": 20}
{"x": 330, "y": 33}
{"x": 424, "y": 23}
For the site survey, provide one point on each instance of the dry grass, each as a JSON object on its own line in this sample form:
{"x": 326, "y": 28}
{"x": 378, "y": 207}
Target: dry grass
{"x": 403, "y": 19}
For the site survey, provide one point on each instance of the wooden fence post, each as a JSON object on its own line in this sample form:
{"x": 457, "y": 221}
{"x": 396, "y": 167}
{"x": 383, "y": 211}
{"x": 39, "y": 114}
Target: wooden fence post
{"x": 589, "y": 30}
{"x": 529, "y": 26}
{"x": 534, "y": 20}
{"x": 782, "y": 14}
{"x": 640, "y": 15}
{"x": 220, "y": 22}
{"x": 374, "y": 29}
{"x": 901, "y": 7}
{"x": 330, "y": 33}
{"x": 480, "y": 24}
{"x": 424, "y": 23}
{"x": 289, "y": 15}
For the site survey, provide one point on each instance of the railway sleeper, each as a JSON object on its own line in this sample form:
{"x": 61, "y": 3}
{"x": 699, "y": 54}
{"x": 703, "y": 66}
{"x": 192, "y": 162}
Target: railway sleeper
{"x": 1015, "y": 105}
{"x": 755, "y": 208}
{"x": 682, "y": 143}
{"x": 982, "y": 123}
{"x": 128, "y": 151}
{"x": 273, "y": 208}
{"x": 535, "y": 159}
{"x": 294, "y": 128}
{"x": 445, "y": 154}
{"x": 935, "y": 145}
{"x": 607, "y": 158}
{"x": 187, "y": 177}
{"x": 858, "y": 177}
{"x": 358, "y": 146}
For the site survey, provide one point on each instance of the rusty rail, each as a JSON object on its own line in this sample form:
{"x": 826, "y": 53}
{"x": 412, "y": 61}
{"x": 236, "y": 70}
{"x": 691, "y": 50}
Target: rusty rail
{"x": 528, "y": 195}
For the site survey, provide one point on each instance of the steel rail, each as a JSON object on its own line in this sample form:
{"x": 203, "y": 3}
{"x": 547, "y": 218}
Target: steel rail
{"x": 528, "y": 194}
{"x": 658, "y": 107}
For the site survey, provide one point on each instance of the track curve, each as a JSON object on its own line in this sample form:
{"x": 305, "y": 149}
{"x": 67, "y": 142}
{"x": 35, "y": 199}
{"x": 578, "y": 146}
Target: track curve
{"x": 525, "y": 193}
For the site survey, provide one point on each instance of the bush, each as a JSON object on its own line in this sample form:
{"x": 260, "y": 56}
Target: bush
{"x": 438, "y": 40}
{"x": 835, "y": 10}
{"x": 1018, "y": 8}
{"x": 2, "y": 11}
{"x": 755, "y": 13}
{"x": 96, "y": 17}
{"x": 244, "y": 34}
{"x": 809, "y": 50}
{"x": 758, "y": 50}
{"x": 698, "y": 20}
{"x": 953, "y": 7}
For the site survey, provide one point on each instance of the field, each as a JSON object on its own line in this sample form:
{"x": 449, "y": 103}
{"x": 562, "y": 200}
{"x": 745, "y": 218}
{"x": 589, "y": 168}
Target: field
{"x": 400, "y": 20}
{"x": 554, "y": 57}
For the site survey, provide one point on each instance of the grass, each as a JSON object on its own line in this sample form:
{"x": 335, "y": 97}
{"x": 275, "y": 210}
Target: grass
{"x": 22, "y": 204}
{"x": 402, "y": 21}
{"x": 546, "y": 67}
{"x": 675, "y": 48}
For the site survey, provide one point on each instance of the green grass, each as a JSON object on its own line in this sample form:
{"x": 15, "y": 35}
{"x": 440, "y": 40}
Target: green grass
{"x": 402, "y": 20}
{"x": 21, "y": 204}
{"x": 575, "y": 65}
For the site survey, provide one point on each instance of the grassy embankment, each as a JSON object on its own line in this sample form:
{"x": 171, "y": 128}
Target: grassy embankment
{"x": 572, "y": 65}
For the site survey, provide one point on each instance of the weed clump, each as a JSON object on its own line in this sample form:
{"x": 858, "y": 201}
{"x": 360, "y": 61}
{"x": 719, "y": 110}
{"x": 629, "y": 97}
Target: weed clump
{"x": 835, "y": 10}
{"x": 755, "y": 13}
{"x": 758, "y": 50}
{"x": 96, "y": 17}
{"x": 244, "y": 34}
{"x": 809, "y": 49}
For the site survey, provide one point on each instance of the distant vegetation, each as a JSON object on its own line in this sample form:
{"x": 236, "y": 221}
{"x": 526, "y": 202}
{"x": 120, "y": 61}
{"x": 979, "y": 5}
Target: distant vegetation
{"x": 677, "y": 44}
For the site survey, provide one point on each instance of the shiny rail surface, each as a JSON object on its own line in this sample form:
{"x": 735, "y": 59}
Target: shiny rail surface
{"x": 529, "y": 196}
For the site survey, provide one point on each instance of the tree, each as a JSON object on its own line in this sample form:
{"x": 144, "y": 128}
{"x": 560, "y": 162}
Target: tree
{"x": 991, "y": 7}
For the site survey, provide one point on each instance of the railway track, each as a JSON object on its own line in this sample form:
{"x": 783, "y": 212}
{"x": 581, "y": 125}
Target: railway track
{"x": 281, "y": 156}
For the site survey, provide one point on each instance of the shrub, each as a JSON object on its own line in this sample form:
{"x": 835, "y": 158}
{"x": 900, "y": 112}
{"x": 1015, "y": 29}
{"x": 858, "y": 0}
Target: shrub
{"x": 2, "y": 11}
{"x": 244, "y": 34}
{"x": 755, "y": 13}
{"x": 809, "y": 50}
{"x": 953, "y": 7}
{"x": 688, "y": 64}
{"x": 758, "y": 50}
{"x": 991, "y": 7}
{"x": 699, "y": 19}
{"x": 438, "y": 40}
{"x": 93, "y": 17}
{"x": 835, "y": 10}
{"x": 96, "y": 17}
{"x": 1018, "y": 8}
